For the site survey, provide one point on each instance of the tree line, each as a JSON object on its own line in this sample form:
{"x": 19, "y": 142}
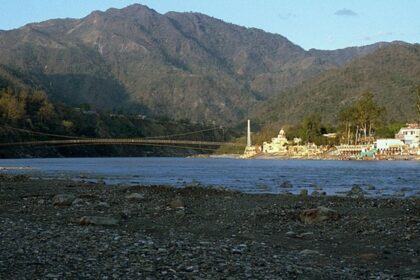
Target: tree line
{"x": 23, "y": 111}
{"x": 359, "y": 122}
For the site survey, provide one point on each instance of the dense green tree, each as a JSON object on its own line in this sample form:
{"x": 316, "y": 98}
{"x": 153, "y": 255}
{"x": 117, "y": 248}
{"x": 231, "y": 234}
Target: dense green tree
{"x": 347, "y": 118}
{"x": 46, "y": 112}
{"x": 311, "y": 126}
{"x": 12, "y": 107}
{"x": 310, "y": 130}
{"x": 364, "y": 115}
{"x": 418, "y": 103}
{"x": 368, "y": 113}
{"x": 389, "y": 130}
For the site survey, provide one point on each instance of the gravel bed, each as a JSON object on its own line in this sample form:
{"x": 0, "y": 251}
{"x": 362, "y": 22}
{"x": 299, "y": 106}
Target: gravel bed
{"x": 66, "y": 230}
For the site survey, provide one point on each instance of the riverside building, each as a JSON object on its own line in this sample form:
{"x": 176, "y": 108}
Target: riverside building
{"x": 410, "y": 135}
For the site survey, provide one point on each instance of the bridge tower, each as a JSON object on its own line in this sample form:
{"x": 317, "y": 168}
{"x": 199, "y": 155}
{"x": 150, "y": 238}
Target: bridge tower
{"x": 250, "y": 151}
{"x": 248, "y": 139}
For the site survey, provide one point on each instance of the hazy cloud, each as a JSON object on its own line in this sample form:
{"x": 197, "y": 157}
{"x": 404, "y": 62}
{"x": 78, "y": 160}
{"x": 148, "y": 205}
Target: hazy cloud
{"x": 378, "y": 35}
{"x": 346, "y": 12}
{"x": 382, "y": 33}
{"x": 287, "y": 16}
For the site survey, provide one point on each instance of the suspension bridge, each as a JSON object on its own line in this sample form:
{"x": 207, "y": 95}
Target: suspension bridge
{"x": 164, "y": 140}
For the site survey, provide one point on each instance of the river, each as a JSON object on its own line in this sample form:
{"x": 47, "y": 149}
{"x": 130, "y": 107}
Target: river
{"x": 377, "y": 178}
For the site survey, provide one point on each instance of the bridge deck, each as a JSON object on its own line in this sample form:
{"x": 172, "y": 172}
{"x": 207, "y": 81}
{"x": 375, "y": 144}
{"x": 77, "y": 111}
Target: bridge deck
{"x": 110, "y": 141}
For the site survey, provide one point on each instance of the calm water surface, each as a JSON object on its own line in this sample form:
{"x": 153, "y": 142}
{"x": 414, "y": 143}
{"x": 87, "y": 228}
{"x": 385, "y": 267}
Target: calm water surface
{"x": 400, "y": 178}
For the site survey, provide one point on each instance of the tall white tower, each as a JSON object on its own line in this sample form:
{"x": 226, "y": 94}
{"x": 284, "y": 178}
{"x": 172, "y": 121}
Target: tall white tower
{"x": 248, "y": 139}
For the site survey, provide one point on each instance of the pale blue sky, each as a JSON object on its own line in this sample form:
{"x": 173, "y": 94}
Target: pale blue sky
{"x": 322, "y": 24}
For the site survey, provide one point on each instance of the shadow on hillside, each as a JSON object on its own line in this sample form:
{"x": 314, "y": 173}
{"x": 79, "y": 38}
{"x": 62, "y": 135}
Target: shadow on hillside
{"x": 104, "y": 93}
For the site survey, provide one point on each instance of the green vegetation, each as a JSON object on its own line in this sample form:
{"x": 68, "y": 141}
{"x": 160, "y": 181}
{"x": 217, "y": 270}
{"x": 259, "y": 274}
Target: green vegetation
{"x": 27, "y": 115}
{"x": 360, "y": 119}
{"x": 391, "y": 73}
{"x": 359, "y": 122}
{"x": 183, "y": 65}
{"x": 388, "y": 130}
{"x": 205, "y": 72}
{"x": 418, "y": 103}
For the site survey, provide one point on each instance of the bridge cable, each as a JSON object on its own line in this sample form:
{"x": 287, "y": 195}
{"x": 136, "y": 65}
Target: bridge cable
{"x": 43, "y": 133}
{"x": 78, "y": 137}
{"x": 134, "y": 144}
{"x": 180, "y": 134}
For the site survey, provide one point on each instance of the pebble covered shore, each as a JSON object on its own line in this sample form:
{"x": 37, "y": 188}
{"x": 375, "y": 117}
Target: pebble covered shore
{"x": 52, "y": 229}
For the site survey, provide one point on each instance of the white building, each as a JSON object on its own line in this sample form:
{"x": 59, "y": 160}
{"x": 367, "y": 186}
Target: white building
{"x": 386, "y": 144}
{"x": 277, "y": 145}
{"x": 410, "y": 135}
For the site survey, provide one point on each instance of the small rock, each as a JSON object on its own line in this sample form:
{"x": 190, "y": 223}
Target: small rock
{"x": 308, "y": 252}
{"x": 399, "y": 194}
{"x": 370, "y": 188}
{"x": 356, "y": 191}
{"x": 102, "y": 204}
{"x": 286, "y": 185}
{"x": 77, "y": 202}
{"x": 239, "y": 249}
{"x": 319, "y": 214}
{"x": 367, "y": 256}
{"x": 51, "y": 275}
{"x": 101, "y": 182}
{"x": 315, "y": 193}
{"x": 193, "y": 184}
{"x": 316, "y": 187}
{"x": 135, "y": 196}
{"x": 303, "y": 192}
{"x": 98, "y": 221}
{"x": 63, "y": 199}
{"x": 290, "y": 234}
{"x": 176, "y": 203}
{"x": 304, "y": 234}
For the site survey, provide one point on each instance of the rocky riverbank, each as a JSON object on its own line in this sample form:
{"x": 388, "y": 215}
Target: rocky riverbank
{"x": 53, "y": 229}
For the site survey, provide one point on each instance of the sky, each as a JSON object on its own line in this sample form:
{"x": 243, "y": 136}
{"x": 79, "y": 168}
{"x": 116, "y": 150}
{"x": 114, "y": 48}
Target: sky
{"x": 320, "y": 24}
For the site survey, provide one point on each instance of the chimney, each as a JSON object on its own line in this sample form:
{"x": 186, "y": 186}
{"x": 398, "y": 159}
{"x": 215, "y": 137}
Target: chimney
{"x": 248, "y": 139}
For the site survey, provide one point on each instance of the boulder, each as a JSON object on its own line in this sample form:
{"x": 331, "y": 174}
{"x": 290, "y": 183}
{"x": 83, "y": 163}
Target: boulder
{"x": 176, "y": 203}
{"x": 98, "y": 221}
{"x": 356, "y": 191}
{"x": 308, "y": 252}
{"x": 367, "y": 257}
{"x": 286, "y": 185}
{"x": 63, "y": 199}
{"x": 315, "y": 193}
{"x": 303, "y": 192}
{"x": 135, "y": 196}
{"x": 78, "y": 202}
{"x": 103, "y": 205}
{"x": 319, "y": 214}
{"x": 371, "y": 187}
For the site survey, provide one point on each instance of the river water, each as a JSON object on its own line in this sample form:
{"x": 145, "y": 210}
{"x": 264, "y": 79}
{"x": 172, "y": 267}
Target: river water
{"x": 378, "y": 178}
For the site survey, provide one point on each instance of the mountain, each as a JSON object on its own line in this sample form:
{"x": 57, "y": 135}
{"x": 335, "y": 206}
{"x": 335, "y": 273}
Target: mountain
{"x": 180, "y": 65}
{"x": 341, "y": 57}
{"x": 391, "y": 73}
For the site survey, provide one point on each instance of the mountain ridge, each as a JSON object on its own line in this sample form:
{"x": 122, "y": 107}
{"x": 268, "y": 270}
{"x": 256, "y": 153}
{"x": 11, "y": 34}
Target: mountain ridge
{"x": 183, "y": 65}
{"x": 391, "y": 73}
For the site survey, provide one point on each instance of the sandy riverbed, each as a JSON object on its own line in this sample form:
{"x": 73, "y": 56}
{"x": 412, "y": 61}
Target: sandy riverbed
{"x": 198, "y": 233}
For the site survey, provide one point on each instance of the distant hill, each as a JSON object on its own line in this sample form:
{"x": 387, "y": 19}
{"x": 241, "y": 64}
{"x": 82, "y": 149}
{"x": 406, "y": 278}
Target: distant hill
{"x": 180, "y": 65}
{"x": 391, "y": 73}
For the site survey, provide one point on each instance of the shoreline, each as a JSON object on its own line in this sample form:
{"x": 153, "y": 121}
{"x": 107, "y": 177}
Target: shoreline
{"x": 161, "y": 232}
{"x": 240, "y": 156}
